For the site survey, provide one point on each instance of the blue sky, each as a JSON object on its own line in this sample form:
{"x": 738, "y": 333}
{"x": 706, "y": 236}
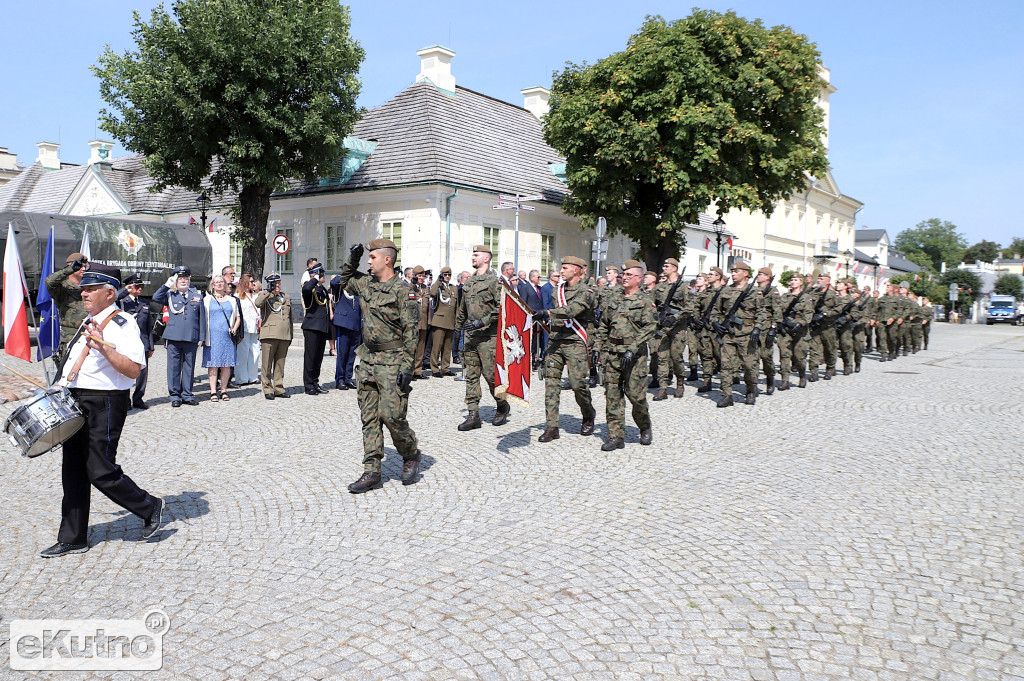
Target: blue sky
{"x": 925, "y": 122}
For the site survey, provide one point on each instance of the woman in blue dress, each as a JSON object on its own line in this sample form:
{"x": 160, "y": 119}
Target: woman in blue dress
{"x": 222, "y": 318}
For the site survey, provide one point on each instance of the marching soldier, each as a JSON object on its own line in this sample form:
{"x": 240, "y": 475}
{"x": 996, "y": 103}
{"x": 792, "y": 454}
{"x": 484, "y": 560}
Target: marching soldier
{"x": 894, "y": 320}
{"x": 186, "y": 325}
{"x": 478, "y": 317}
{"x": 275, "y": 336}
{"x": 740, "y": 320}
{"x": 64, "y": 288}
{"x": 844, "y": 324}
{"x": 710, "y": 351}
{"x": 605, "y": 297}
{"x": 445, "y": 299}
{"x": 914, "y": 331}
{"x": 315, "y": 326}
{"x": 823, "y": 341}
{"x": 384, "y": 375}
{"x": 794, "y": 311}
{"x": 569, "y": 347}
{"x": 927, "y": 314}
{"x": 861, "y": 315}
{"x": 770, "y": 300}
{"x": 625, "y": 330}
{"x": 131, "y": 301}
{"x": 670, "y": 298}
{"x": 700, "y": 284}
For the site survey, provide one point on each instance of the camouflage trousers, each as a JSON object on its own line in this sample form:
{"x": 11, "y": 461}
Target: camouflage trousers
{"x": 846, "y": 345}
{"x": 882, "y": 338}
{"x": 793, "y": 354}
{"x": 925, "y": 330}
{"x": 767, "y": 355}
{"x": 738, "y": 360}
{"x": 573, "y": 357}
{"x": 915, "y": 335}
{"x": 710, "y": 354}
{"x": 893, "y": 337}
{"x": 636, "y": 393}
{"x": 478, "y": 360}
{"x": 693, "y": 352}
{"x": 381, "y": 404}
{"x": 822, "y": 347}
{"x": 671, "y": 360}
{"x": 860, "y": 335}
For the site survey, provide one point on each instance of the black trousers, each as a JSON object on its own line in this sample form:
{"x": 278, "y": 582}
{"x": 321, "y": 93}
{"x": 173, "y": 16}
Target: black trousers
{"x": 90, "y": 458}
{"x": 312, "y": 357}
{"x": 140, "y": 383}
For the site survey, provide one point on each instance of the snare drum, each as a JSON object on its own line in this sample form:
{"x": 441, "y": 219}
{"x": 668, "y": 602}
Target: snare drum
{"x": 45, "y": 423}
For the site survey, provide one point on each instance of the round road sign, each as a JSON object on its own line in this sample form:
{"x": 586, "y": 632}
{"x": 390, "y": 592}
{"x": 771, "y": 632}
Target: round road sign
{"x": 282, "y": 244}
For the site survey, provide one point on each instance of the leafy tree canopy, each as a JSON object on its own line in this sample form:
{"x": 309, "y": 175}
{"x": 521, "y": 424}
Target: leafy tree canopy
{"x": 937, "y": 240}
{"x": 966, "y": 280}
{"x": 983, "y": 251}
{"x": 710, "y": 110}
{"x": 1015, "y": 248}
{"x": 1009, "y": 285}
{"x": 250, "y": 93}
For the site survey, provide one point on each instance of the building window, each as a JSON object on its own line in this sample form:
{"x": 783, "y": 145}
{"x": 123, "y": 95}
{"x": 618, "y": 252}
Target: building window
{"x": 491, "y": 233}
{"x": 393, "y": 231}
{"x": 335, "y": 247}
{"x": 235, "y": 255}
{"x": 283, "y": 263}
{"x": 547, "y": 253}
{"x": 700, "y": 263}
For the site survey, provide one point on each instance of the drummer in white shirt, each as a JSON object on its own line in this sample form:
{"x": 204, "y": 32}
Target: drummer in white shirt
{"x": 100, "y": 376}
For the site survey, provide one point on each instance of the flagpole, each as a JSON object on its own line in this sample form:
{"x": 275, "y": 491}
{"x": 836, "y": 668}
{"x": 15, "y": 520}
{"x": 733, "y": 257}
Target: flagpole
{"x": 32, "y": 316}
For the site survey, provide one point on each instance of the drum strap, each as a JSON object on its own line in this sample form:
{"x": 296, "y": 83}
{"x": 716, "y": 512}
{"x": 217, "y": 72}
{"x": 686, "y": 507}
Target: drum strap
{"x": 73, "y": 374}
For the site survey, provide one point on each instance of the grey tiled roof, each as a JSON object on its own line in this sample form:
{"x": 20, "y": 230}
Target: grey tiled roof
{"x": 424, "y": 135}
{"x": 39, "y": 190}
{"x": 868, "y": 234}
{"x": 902, "y": 264}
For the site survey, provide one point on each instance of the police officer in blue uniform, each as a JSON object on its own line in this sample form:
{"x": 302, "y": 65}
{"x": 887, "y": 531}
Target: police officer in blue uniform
{"x": 315, "y": 326}
{"x": 186, "y": 325}
{"x": 131, "y": 301}
{"x": 348, "y": 326}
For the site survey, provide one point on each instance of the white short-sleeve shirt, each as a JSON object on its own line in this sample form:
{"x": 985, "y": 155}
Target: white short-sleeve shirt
{"x": 97, "y": 373}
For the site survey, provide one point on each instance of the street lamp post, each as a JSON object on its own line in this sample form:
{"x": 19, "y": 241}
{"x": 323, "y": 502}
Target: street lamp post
{"x": 202, "y": 202}
{"x": 847, "y": 256}
{"x": 874, "y": 259}
{"x": 719, "y": 226}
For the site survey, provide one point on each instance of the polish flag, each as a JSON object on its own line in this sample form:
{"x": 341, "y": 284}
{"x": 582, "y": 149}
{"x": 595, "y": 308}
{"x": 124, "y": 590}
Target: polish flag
{"x": 15, "y": 318}
{"x": 192, "y": 220}
{"x": 211, "y": 228}
{"x": 855, "y": 266}
{"x": 707, "y": 243}
{"x": 729, "y": 241}
{"x": 839, "y": 266}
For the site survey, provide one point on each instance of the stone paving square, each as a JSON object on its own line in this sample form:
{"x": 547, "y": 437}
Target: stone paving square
{"x": 866, "y": 528}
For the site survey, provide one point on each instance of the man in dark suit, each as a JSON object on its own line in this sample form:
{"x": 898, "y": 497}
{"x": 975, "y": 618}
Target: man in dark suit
{"x": 315, "y": 326}
{"x": 348, "y": 325}
{"x": 547, "y": 296}
{"x": 186, "y": 324}
{"x": 530, "y": 292}
{"x": 131, "y": 301}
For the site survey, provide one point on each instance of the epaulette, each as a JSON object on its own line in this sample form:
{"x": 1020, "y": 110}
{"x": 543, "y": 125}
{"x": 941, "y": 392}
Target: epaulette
{"x": 119, "y": 319}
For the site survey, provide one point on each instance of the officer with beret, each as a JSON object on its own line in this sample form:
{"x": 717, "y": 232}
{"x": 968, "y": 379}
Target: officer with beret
{"x": 131, "y": 301}
{"x": 315, "y": 326}
{"x": 391, "y": 317}
{"x": 186, "y": 325}
{"x": 478, "y": 317}
{"x": 275, "y": 336}
{"x": 569, "y": 346}
{"x": 444, "y": 298}
{"x": 63, "y": 286}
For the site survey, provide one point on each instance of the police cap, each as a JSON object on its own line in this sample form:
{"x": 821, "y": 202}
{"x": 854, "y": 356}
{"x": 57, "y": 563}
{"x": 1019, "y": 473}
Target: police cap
{"x": 98, "y": 274}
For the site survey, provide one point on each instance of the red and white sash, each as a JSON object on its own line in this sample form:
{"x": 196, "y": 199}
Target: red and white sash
{"x": 571, "y": 323}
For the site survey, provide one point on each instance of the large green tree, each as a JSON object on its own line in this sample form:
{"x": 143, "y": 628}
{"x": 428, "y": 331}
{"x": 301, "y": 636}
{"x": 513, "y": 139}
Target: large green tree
{"x": 236, "y": 97}
{"x": 1016, "y": 248}
{"x": 983, "y": 251}
{"x": 932, "y": 243}
{"x": 708, "y": 111}
{"x": 1009, "y": 285}
{"x": 969, "y": 283}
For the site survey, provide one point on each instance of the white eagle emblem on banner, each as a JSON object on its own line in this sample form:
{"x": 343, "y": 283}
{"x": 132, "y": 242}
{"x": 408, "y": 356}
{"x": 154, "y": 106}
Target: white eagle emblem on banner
{"x": 130, "y": 242}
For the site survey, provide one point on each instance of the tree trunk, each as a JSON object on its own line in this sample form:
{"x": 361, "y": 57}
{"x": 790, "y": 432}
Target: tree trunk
{"x": 254, "y": 209}
{"x": 655, "y": 254}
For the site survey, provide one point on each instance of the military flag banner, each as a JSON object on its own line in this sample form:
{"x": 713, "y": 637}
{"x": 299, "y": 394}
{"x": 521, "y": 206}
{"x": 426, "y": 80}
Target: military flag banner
{"x": 512, "y": 359}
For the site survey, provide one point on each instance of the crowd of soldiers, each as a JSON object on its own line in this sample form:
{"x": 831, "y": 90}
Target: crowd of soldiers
{"x": 635, "y": 331}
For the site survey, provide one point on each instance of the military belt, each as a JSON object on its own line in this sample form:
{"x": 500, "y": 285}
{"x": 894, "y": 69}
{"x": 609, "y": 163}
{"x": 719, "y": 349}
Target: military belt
{"x": 617, "y": 341}
{"x": 381, "y": 347}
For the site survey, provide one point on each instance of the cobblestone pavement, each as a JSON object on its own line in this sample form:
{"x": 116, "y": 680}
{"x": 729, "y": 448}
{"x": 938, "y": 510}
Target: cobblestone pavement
{"x": 864, "y": 528}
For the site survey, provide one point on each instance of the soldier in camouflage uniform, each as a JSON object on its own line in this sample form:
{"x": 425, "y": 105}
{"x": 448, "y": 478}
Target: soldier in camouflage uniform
{"x": 823, "y": 341}
{"x": 568, "y": 346}
{"x": 625, "y": 330}
{"x": 478, "y": 316}
{"x": 740, "y": 321}
{"x": 793, "y": 318}
{"x": 391, "y": 319}
{"x": 769, "y": 296}
{"x": 894, "y": 320}
{"x": 63, "y": 286}
{"x": 845, "y": 302}
{"x": 673, "y": 325}
{"x": 927, "y": 314}
{"x": 861, "y": 315}
{"x": 914, "y": 330}
{"x": 700, "y": 284}
{"x": 605, "y": 296}
{"x": 710, "y": 351}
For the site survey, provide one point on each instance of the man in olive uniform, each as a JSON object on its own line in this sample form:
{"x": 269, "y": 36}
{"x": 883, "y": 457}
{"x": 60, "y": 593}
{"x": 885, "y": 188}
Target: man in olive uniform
{"x": 275, "y": 335}
{"x": 478, "y": 317}
{"x": 914, "y": 325}
{"x": 64, "y": 288}
{"x": 442, "y": 325}
{"x": 793, "y": 318}
{"x": 700, "y": 284}
{"x": 605, "y": 296}
{"x": 569, "y": 347}
{"x": 894, "y": 320}
{"x": 391, "y": 315}
{"x": 673, "y": 324}
{"x": 739, "y": 322}
{"x": 927, "y": 314}
{"x": 845, "y": 303}
{"x": 769, "y": 300}
{"x": 423, "y": 303}
{"x": 710, "y": 351}
{"x": 823, "y": 341}
{"x": 861, "y": 315}
{"x": 625, "y": 330}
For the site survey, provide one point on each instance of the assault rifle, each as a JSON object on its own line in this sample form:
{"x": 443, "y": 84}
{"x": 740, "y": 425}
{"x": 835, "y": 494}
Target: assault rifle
{"x": 700, "y": 323}
{"x": 663, "y": 315}
{"x": 730, "y": 320}
{"x": 769, "y": 339}
{"x": 788, "y": 325}
{"x": 818, "y": 316}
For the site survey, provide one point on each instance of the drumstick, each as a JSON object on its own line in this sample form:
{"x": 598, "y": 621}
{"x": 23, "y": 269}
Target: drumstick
{"x": 100, "y": 340}
{"x": 32, "y": 381}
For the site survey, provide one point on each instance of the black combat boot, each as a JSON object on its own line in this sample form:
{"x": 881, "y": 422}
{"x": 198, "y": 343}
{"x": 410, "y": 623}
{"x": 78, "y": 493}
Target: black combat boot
{"x": 751, "y": 397}
{"x": 803, "y": 381}
{"x": 662, "y": 395}
{"x": 735, "y": 380}
{"x": 472, "y": 421}
{"x": 706, "y": 388}
{"x": 680, "y": 388}
{"x": 646, "y": 436}
{"x": 770, "y": 380}
{"x": 548, "y": 435}
{"x": 613, "y": 443}
{"x": 501, "y": 414}
{"x": 847, "y": 370}
{"x": 856, "y": 368}
{"x": 813, "y": 377}
{"x": 726, "y": 400}
{"x": 783, "y": 384}
{"x": 693, "y": 372}
{"x": 366, "y": 482}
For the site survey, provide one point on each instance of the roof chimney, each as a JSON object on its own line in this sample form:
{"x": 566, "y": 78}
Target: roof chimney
{"x": 48, "y": 157}
{"x": 535, "y": 100}
{"x": 100, "y": 151}
{"x": 436, "y": 66}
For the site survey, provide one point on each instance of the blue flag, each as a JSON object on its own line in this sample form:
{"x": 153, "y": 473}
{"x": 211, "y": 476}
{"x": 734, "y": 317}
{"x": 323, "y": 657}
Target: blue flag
{"x": 49, "y": 327}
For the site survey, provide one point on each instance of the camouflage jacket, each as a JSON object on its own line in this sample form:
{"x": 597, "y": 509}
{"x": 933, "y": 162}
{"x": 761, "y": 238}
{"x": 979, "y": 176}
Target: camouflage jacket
{"x": 481, "y": 296}
{"x": 68, "y": 299}
{"x": 391, "y": 318}
{"x": 769, "y": 298}
{"x": 629, "y": 325}
{"x": 750, "y": 314}
{"x": 828, "y": 307}
{"x": 801, "y": 312}
{"x": 676, "y": 307}
{"x": 579, "y": 305}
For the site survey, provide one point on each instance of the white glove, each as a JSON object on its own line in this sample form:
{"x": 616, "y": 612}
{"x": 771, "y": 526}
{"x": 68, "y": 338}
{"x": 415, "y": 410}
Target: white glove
{"x": 171, "y": 283}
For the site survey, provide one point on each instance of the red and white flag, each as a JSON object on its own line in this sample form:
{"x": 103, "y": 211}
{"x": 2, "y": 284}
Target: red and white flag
{"x": 707, "y": 243}
{"x": 512, "y": 360}
{"x": 212, "y": 227}
{"x": 839, "y": 266}
{"x": 729, "y": 241}
{"x": 15, "y": 318}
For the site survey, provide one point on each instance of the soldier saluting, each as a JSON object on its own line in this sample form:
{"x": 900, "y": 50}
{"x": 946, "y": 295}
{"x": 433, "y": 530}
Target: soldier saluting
{"x": 391, "y": 318}
{"x": 444, "y": 296}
